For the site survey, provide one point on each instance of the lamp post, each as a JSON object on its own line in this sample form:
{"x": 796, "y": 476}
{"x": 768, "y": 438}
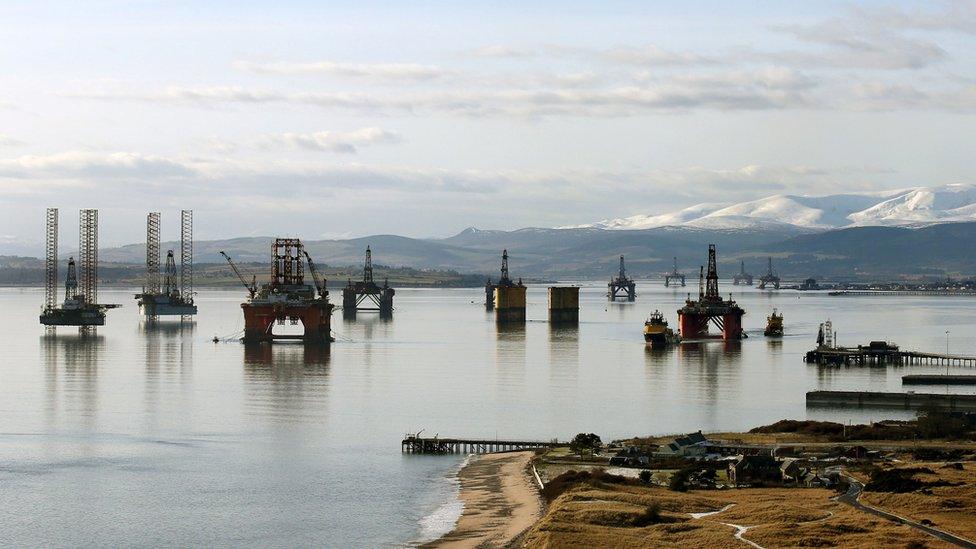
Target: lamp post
{"x": 947, "y": 352}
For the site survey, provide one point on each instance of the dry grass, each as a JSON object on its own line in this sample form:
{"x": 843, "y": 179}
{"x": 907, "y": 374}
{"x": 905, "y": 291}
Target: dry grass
{"x": 587, "y": 516}
{"x": 950, "y": 508}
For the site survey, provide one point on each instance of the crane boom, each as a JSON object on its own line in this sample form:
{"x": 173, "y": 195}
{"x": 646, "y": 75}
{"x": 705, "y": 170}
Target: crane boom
{"x": 320, "y": 286}
{"x": 252, "y": 288}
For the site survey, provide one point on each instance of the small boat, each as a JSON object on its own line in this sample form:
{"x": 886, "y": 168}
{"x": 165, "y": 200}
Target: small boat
{"x": 657, "y": 332}
{"x": 774, "y": 325}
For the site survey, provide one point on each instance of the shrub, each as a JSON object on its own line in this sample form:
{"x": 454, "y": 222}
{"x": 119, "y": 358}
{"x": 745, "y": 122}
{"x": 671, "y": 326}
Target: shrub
{"x": 645, "y": 476}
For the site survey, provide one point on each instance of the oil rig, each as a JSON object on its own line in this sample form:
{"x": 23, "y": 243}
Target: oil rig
{"x": 287, "y": 298}
{"x": 80, "y": 307}
{"x": 770, "y": 278}
{"x": 696, "y": 316}
{"x": 674, "y": 277}
{"x": 622, "y": 286}
{"x": 742, "y": 277}
{"x": 355, "y": 294}
{"x": 174, "y": 295}
{"x": 507, "y": 298}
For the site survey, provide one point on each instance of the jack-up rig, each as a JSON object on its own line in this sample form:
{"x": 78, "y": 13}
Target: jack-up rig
{"x": 355, "y": 294}
{"x": 742, "y": 277}
{"x": 695, "y": 317}
{"x": 174, "y": 296}
{"x": 286, "y": 298}
{"x": 770, "y": 277}
{"x": 507, "y": 298}
{"x": 621, "y": 286}
{"x": 674, "y": 277}
{"x": 80, "y": 307}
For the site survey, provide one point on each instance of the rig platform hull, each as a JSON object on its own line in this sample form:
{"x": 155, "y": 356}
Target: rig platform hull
{"x": 162, "y": 305}
{"x": 73, "y": 317}
{"x": 259, "y": 321}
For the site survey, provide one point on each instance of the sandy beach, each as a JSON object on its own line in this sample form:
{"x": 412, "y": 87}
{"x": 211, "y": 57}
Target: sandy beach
{"x": 500, "y": 501}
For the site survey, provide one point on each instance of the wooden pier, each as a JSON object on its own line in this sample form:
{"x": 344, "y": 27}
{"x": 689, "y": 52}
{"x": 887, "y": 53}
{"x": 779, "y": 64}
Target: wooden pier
{"x": 414, "y": 444}
{"x": 938, "y": 379}
{"x": 908, "y": 401}
{"x": 882, "y": 354}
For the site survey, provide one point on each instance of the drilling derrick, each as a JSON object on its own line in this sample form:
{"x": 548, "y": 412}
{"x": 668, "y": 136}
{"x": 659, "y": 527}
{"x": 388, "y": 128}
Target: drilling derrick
{"x": 674, "y": 276}
{"x": 355, "y": 294}
{"x": 770, "y": 278}
{"x": 621, "y": 286}
{"x": 710, "y": 309}
{"x": 168, "y": 294}
{"x": 80, "y": 307}
{"x": 507, "y": 297}
{"x": 742, "y": 277}
{"x": 286, "y": 297}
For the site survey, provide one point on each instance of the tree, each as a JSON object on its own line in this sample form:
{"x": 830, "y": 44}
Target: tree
{"x": 679, "y": 480}
{"x": 585, "y": 442}
{"x": 645, "y": 476}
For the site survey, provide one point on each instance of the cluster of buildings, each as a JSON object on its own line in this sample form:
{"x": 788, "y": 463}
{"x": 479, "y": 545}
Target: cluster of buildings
{"x": 746, "y": 464}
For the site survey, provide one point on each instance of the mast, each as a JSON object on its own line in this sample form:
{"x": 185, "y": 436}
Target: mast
{"x": 152, "y": 253}
{"x": 186, "y": 256}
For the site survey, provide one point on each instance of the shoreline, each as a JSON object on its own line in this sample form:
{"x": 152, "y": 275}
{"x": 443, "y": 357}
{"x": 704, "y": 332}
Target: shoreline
{"x": 500, "y": 501}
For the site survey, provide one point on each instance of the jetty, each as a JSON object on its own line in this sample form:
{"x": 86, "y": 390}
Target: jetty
{"x": 879, "y": 353}
{"x": 855, "y": 293}
{"x": 415, "y": 444}
{"x": 907, "y": 401}
{"x": 938, "y": 379}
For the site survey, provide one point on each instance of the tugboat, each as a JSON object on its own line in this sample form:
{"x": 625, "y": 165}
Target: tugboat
{"x": 774, "y": 325}
{"x": 657, "y": 332}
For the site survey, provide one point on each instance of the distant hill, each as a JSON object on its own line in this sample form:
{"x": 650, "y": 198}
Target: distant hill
{"x": 587, "y": 253}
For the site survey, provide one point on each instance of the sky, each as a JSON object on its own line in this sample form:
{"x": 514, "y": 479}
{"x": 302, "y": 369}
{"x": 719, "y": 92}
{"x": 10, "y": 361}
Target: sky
{"x": 333, "y": 119}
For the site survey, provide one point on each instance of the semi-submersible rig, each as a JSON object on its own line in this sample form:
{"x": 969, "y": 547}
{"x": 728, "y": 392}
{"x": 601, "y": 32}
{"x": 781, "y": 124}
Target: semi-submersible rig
{"x": 710, "y": 309}
{"x": 287, "y": 298}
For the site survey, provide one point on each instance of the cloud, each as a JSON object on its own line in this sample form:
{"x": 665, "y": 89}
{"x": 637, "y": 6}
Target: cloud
{"x": 338, "y": 142}
{"x": 738, "y": 90}
{"x": 652, "y": 55}
{"x": 503, "y": 51}
{"x": 386, "y": 71}
{"x": 7, "y": 141}
{"x": 93, "y": 167}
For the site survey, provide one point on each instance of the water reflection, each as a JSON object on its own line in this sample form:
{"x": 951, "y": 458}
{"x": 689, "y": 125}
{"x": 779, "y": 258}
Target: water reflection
{"x": 706, "y": 365}
{"x": 71, "y": 378}
{"x": 563, "y": 353}
{"x": 168, "y": 359}
{"x": 510, "y": 352}
{"x": 286, "y": 382}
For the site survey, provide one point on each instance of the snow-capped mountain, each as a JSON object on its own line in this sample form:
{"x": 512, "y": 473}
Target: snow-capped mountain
{"x": 923, "y": 205}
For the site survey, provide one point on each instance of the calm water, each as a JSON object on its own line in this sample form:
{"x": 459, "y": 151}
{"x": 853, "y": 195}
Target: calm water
{"x": 159, "y": 437}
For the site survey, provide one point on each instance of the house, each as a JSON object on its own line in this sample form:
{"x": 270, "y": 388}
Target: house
{"x": 791, "y": 472}
{"x": 691, "y": 445}
{"x": 756, "y": 469}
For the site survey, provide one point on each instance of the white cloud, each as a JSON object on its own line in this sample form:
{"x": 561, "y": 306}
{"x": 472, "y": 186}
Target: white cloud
{"x": 339, "y": 142}
{"x": 7, "y": 141}
{"x": 502, "y": 51}
{"x": 92, "y": 166}
{"x": 391, "y": 71}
